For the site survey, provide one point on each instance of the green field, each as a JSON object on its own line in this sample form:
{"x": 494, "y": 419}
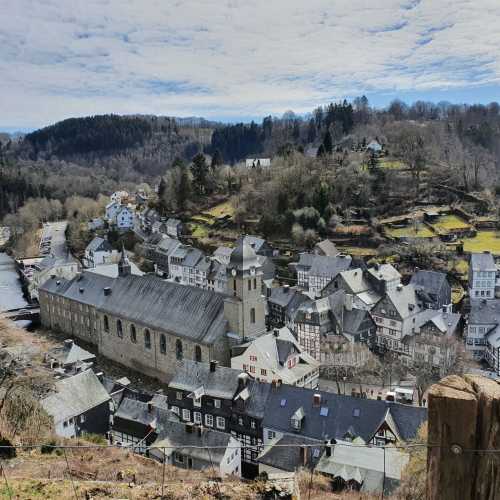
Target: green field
{"x": 392, "y": 164}
{"x": 221, "y": 210}
{"x": 420, "y": 231}
{"x": 484, "y": 240}
{"x": 448, "y": 223}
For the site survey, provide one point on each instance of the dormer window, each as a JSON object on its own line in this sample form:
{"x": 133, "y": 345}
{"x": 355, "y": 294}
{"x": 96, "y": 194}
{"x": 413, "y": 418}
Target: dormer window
{"x": 297, "y": 418}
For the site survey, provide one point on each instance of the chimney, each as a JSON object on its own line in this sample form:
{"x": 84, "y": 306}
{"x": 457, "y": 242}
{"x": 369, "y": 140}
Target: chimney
{"x": 107, "y": 291}
{"x": 399, "y": 288}
{"x": 286, "y": 288}
{"x": 80, "y": 290}
{"x": 189, "y": 427}
{"x": 213, "y": 365}
{"x": 242, "y": 380}
{"x": 100, "y": 376}
{"x": 150, "y": 408}
{"x": 303, "y": 455}
{"x": 68, "y": 343}
{"x": 316, "y": 400}
{"x": 276, "y": 332}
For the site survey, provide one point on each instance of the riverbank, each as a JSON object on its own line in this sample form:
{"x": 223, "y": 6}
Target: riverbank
{"x": 11, "y": 289}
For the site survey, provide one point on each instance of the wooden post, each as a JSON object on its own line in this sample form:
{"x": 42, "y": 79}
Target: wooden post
{"x": 464, "y": 415}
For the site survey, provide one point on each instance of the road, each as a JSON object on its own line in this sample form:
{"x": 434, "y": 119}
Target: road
{"x": 54, "y": 238}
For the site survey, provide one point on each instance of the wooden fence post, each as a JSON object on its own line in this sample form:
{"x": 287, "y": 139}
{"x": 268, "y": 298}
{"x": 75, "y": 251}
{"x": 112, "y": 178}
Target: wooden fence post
{"x": 464, "y": 415}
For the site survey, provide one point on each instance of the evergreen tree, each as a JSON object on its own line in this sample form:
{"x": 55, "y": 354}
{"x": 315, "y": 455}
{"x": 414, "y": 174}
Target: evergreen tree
{"x": 328, "y": 143}
{"x": 321, "y": 151}
{"x": 184, "y": 189}
{"x": 162, "y": 192}
{"x": 199, "y": 169}
{"x": 311, "y": 131}
{"x": 217, "y": 159}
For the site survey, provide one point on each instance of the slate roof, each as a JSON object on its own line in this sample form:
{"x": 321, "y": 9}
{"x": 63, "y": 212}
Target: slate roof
{"x": 181, "y": 310}
{"x": 223, "y": 251}
{"x": 167, "y": 244}
{"x": 99, "y": 245}
{"x": 353, "y": 319}
{"x": 482, "y": 262}
{"x": 136, "y": 411}
{"x": 328, "y": 248}
{"x": 305, "y": 261}
{"x": 285, "y": 400}
{"x": 431, "y": 281}
{"x": 191, "y": 375}
{"x": 446, "y": 322}
{"x": 254, "y": 241}
{"x": 74, "y": 396}
{"x": 403, "y": 298}
{"x": 329, "y": 266}
{"x": 484, "y": 311}
{"x": 174, "y": 435}
{"x": 287, "y": 455}
{"x": 285, "y": 296}
{"x": 355, "y": 280}
{"x": 70, "y": 353}
{"x": 111, "y": 270}
{"x": 255, "y": 405}
{"x": 386, "y": 272}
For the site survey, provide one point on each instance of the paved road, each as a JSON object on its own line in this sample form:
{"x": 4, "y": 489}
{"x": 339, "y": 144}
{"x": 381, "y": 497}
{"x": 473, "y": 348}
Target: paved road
{"x": 55, "y": 232}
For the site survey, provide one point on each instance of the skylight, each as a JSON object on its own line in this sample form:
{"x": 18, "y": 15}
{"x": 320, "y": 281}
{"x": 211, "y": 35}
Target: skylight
{"x": 316, "y": 453}
{"x": 324, "y": 411}
{"x": 355, "y": 412}
{"x": 283, "y": 403}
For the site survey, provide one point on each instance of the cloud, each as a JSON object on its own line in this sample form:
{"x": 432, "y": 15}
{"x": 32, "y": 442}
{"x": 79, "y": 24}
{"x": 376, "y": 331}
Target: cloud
{"x": 234, "y": 57}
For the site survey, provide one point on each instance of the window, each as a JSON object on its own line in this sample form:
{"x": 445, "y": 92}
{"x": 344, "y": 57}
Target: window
{"x": 186, "y": 415}
{"x": 179, "y": 458}
{"x": 119, "y": 329}
{"x": 147, "y": 339}
{"x": 221, "y": 423}
{"x": 175, "y": 409}
{"x": 197, "y": 417}
{"x": 249, "y": 285}
{"x": 163, "y": 344}
{"x": 178, "y": 349}
{"x": 252, "y": 315}
{"x": 82, "y": 419}
{"x": 106, "y": 324}
{"x": 217, "y": 403}
{"x": 240, "y": 421}
{"x": 209, "y": 420}
{"x": 245, "y": 367}
{"x": 197, "y": 402}
{"x": 252, "y": 424}
{"x": 263, "y": 372}
{"x": 253, "y": 358}
{"x": 252, "y": 369}
{"x": 271, "y": 434}
{"x": 133, "y": 334}
{"x": 178, "y": 396}
{"x": 255, "y": 283}
{"x": 197, "y": 354}
{"x": 65, "y": 424}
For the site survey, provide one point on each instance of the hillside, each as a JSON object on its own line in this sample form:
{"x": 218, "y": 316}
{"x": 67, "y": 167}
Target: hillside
{"x": 146, "y": 144}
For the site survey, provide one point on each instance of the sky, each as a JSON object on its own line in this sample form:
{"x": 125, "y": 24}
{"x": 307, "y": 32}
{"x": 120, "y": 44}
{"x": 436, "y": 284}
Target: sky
{"x": 235, "y": 60}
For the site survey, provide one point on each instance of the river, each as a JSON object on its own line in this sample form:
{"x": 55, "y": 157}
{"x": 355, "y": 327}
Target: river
{"x": 11, "y": 294}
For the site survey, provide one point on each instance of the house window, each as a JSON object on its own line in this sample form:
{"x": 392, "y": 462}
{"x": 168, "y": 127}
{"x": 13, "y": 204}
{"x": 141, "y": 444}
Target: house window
{"x": 178, "y": 396}
{"x": 178, "y": 349}
{"x": 252, "y": 369}
{"x": 119, "y": 329}
{"x": 217, "y": 403}
{"x": 197, "y": 417}
{"x": 249, "y": 285}
{"x": 245, "y": 367}
{"x": 252, "y": 424}
{"x": 240, "y": 421}
{"x": 106, "y": 324}
{"x": 263, "y": 372}
{"x": 179, "y": 458}
{"x": 163, "y": 344}
{"x": 252, "y": 315}
{"x": 253, "y": 358}
{"x": 147, "y": 339}
{"x": 221, "y": 423}
{"x": 82, "y": 419}
{"x": 209, "y": 420}
{"x": 255, "y": 283}
{"x": 175, "y": 409}
{"x": 197, "y": 354}
{"x": 197, "y": 402}
{"x": 186, "y": 415}
{"x": 271, "y": 434}
{"x": 133, "y": 334}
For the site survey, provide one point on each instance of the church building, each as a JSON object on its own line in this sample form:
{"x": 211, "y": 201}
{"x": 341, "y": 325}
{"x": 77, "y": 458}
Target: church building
{"x": 147, "y": 324}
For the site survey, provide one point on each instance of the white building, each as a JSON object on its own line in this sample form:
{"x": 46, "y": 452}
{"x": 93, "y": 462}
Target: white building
{"x": 257, "y": 162}
{"x": 125, "y": 218}
{"x": 112, "y": 208}
{"x": 275, "y": 357}
{"x": 99, "y": 251}
{"x": 482, "y": 276}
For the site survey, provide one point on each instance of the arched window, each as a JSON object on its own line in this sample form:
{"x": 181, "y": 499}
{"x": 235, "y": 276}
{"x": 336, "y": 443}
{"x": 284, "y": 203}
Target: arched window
{"x": 119, "y": 329}
{"x": 133, "y": 334}
{"x": 178, "y": 349}
{"x": 197, "y": 354}
{"x": 163, "y": 344}
{"x": 147, "y": 339}
{"x": 252, "y": 315}
{"x": 106, "y": 324}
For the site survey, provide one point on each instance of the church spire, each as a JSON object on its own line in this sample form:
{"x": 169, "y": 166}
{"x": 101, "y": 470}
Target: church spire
{"x": 124, "y": 268}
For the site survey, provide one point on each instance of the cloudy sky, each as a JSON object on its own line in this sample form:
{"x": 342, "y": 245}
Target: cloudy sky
{"x": 239, "y": 59}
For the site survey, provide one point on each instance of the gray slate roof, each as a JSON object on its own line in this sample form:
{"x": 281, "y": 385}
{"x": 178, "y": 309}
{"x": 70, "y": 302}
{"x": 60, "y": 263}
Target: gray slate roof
{"x": 353, "y": 320}
{"x": 288, "y": 458}
{"x": 185, "y": 311}
{"x": 482, "y": 262}
{"x": 75, "y": 395}
{"x": 329, "y": 266}
{"x": 484, "y": 311}
{"x": 70, "y": 354}
{"x": 191, "y": 375}
{"x": 340, "y": 415}
{"x": 99, "y": 245}
{"x": 431, "y": 281}
{"x": 328, "y": 248}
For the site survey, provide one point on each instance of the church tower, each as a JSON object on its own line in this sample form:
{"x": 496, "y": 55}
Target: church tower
{"x": 244, "y": 309}
{"x": 124, "y": 268}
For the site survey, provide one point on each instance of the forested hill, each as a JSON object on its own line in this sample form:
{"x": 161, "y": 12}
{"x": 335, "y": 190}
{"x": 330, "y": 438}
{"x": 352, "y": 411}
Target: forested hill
{"x": 146, "y": 144}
